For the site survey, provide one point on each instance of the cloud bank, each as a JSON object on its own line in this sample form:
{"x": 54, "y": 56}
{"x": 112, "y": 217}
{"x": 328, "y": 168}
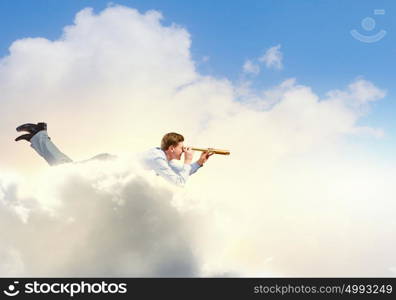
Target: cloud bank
{"x": 294, "y": 198}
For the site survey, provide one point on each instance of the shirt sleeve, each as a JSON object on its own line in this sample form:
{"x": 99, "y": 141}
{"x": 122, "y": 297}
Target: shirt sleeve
{"x": 178, "y": 177}
{"x": 194, "y": 167}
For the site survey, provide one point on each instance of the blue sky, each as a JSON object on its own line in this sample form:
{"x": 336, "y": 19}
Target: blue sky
{"x": 314, "y": 35}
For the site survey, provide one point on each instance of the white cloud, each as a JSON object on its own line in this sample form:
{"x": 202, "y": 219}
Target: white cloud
{"x": 359, "y": 92}
{"x": 267, "y": 98}
{"x": 117, "y": 222}
{"x": 272, "y": 58}
{"x": 117, "y": 81}
{"x": 250, "y": 67}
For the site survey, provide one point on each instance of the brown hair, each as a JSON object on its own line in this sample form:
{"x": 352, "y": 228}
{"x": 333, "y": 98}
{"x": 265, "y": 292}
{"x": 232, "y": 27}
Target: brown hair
{"x": 171, "y": 139}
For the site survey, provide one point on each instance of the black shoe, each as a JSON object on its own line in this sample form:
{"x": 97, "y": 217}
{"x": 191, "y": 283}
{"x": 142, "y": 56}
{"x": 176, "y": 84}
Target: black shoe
{"x": 26, "y": 137}
{"x": 32, "y": 129}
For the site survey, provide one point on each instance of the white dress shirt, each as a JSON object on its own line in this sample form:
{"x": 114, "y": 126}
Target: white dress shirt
{"x": 155, "y": 159}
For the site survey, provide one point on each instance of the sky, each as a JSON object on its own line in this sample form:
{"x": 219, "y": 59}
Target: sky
{"x": 303, "y": 105}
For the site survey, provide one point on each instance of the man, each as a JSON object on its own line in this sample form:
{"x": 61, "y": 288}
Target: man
{"x": 161, "y": 160}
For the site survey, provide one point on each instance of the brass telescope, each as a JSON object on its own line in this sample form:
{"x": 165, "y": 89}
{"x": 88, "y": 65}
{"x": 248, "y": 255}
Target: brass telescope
{"x": 215, "y": 151}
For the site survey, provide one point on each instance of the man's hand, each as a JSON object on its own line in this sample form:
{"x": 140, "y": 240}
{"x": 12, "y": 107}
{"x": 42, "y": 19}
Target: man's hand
{"x": 188, "y": 155}
{"x": 204, "y": 157}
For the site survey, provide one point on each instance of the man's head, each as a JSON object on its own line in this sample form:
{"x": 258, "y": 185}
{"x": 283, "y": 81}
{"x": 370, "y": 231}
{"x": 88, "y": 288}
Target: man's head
{"x": 172, "y": 145}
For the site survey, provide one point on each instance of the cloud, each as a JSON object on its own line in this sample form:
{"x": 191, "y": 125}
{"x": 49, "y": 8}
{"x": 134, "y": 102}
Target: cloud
{"x": 265, "y": 99}
{"x": 359, "y": 92}
{"x": 293, "y": 198}
{"x": 250, "y": 67}
{"x": 110, "y": 223}
{"x": 272, "y": 58}
{"x": 110, "y": 66}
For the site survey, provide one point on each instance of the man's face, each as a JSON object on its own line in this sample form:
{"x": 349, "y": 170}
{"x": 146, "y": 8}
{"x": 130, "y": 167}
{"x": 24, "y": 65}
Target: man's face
{"x": 177, "y": 151}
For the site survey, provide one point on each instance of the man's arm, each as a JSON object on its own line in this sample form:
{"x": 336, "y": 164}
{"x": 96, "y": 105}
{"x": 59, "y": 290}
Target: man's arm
{"x": 178, "y": 177}
{"x": 194, "y": 167}
{"x": 200, "y": 162}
